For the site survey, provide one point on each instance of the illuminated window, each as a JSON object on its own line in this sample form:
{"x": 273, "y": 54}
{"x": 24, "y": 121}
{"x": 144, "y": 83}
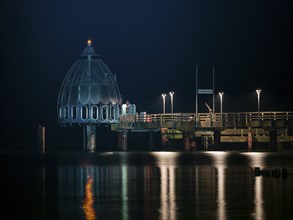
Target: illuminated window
{"x": 104, "y": 112}
{"x": 112, "y": 112}
{"x": 84, "y": 113}
{"x": 60, "y": 113}
{"x": 74, "y": 112}
{"x": 95, "y": 112}
{"x": 65, "y": 113}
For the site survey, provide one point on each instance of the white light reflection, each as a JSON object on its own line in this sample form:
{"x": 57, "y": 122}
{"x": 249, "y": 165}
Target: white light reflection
{"x": 221, "y": 193}
{"x": 168, "y": 185}
{"x": 164, "y": 193}
{"x": 219, "y": 161}
{"x": 258, "y": 199}
{"x": 256, "y": 160}
{"x": 124, "y": 193}
{"x": 219, "y": 157}
{"x": 164, "y": 154}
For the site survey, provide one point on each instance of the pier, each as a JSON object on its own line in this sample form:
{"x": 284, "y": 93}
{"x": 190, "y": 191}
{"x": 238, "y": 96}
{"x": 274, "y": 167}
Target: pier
{"x": 249, "y": 127}
{"x": 89, "y": 97}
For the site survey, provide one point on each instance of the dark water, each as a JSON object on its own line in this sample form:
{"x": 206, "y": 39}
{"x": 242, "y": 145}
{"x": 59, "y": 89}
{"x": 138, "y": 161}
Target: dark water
{"x": 145, "y": 185}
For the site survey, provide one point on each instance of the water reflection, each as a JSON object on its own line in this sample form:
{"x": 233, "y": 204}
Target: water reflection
{"x": 168, "y": 195}
{"x": 88, "y": 203}
{"x": 43, "y": 173}
{"x": 257, "y": 160}
{"x": 258, "y": 199}
{"x": 168, "y": 190}
{"x": 221, "y": 202}
{"x": 171, "y": 185}
{"x": 219, "y": 161}
{"x": 124, "y": 193}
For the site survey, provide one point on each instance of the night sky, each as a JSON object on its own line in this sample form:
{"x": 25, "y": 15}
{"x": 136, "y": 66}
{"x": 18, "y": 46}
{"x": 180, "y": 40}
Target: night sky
{"x": 152, "y": 47}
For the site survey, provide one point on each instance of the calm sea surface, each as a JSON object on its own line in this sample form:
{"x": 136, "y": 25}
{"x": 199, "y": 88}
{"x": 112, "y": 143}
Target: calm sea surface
{"x": 146, "y": 185}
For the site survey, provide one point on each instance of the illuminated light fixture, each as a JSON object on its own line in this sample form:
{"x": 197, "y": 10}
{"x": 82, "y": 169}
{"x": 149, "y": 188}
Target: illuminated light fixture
{"x": 89, "y": 42}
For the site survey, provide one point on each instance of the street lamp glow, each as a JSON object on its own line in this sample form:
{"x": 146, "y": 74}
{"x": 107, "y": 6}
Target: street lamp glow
{"x": 164, "y": 102}
{"x": 221, "y": 100}
{"x": 171, "y": 93}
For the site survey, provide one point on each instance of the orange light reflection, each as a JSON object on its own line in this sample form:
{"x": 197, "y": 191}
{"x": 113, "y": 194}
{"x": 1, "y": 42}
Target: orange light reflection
{"x": 88, "y": 202}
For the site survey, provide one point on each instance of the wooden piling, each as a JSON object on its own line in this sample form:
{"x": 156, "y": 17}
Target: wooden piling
{"x": 41, "y": 139}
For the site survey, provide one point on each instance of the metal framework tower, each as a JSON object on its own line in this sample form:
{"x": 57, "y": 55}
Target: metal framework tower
{"x": 204, "y": 92}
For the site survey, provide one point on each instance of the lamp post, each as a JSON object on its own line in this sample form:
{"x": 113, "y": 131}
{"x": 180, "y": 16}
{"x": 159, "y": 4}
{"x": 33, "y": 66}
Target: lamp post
{"x": 221, "y": 104}
{"x": 221, "y": 101}
{"x": 171, "y": 95}
{"x": 258, "y": 103}
{"x": 164, "y": 102}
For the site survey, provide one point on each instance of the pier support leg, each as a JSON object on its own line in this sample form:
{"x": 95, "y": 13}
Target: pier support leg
{"x": 217, "y": 139}
{"x": 119, "y": 141}
{"x": 164, "y": 139}
{"x": 124, "y": 142}
{"x": 151, "y": 142}
{"x": 273, "y": 136}
{"x": 273, "y": 140}
{"x": 186, "y": 139}
{"x": 193, "y": 144}
{"x": 89, "y": 140}
{"x": 249, "y": 139}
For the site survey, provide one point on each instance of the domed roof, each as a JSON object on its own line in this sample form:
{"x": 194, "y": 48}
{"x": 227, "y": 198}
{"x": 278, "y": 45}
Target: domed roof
{"x": 89, "y": 81}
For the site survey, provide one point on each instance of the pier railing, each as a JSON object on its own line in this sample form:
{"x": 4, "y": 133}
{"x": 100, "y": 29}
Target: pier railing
{"x": 207, "y": 120}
